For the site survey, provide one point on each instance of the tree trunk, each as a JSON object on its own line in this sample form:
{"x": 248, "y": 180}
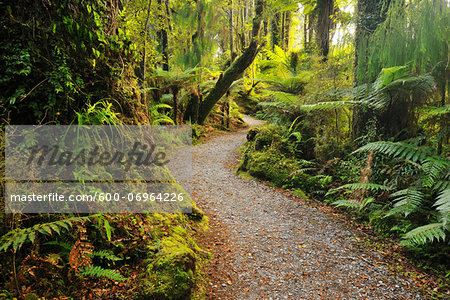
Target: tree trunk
{"x": 305, "y": 32}
{"x": 369, "y": 14}
{"x": 275, "y": 30}
{"x": 230, "y": 25}
{"x": 163, "y": 38}
{"x": 143, "y": 64}
{"x": 326, "y": 10}
{"x": 144, "y": 52}
{"x": 175, "y": 104}
{"x": 198, "y": 36}
{"x": 237, "y": 67}
{"x": 287, "y": 30}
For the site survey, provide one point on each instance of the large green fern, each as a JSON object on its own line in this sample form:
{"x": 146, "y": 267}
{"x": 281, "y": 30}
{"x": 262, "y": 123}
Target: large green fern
{"x": 432, "y": 186}
{"x": 17, "y": 237}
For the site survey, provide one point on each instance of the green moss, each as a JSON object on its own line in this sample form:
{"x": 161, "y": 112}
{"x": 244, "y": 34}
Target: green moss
{"x": 271, "y": 154}
{"x": 172, "y": 269}
{"x": 170, "y": 272}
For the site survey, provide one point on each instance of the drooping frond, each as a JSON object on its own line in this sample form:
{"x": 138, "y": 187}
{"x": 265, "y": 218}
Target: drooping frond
{"x": 286, "y": 106}
{"x": 441, "y": 185}
{"x": 424, "y": 234}
{"x": 388, "y": 75}
{"x": 278, "y": 96}
{"x": 328, "y": 105}
{"x": 443, "y": 202}
{"x": 356, "y": 93}
{"x": 432, "y": 111}
{"x": 98, "y": 271}
{"x": 414, "y": 88}
{"x": 398, "y": 149}
{"x": 434, "y": 167}
{"x": 364, "y": 186}
{"x": 354, "y": 204}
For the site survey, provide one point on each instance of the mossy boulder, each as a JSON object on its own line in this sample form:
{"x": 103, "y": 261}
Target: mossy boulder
{"x": 171, "y": 268}
{"x": 271, "y": 153}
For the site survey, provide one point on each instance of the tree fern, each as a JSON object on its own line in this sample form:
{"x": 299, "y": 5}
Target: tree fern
{"x": 414, "y": 88}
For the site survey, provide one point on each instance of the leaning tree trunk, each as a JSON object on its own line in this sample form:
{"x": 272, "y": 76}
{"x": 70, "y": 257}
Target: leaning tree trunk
{"x": 237, "y": 67}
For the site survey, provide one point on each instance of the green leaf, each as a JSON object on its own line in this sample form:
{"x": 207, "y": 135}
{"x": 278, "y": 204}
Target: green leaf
{"x": 107, "y": 229}
{"x": 19, "y": 239}
{"x": 32, "y": 236}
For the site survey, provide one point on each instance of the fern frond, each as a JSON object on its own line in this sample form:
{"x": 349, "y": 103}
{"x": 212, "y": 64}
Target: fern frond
{"x": 328, "y": 105}
{"x": 434, "y": 167}
{"x": 398, "y": 149}
{"x": 280, "y": 96}
{"x": 353, "y": 94}
{"x": 442, "y": 203}
{"x": 354, "y": 204}
{"x": 98, "y": 271}
{"x": 19, "y": 236}
{"x": 365, "y": 186}
{"x": 346, "y": 203}
{"x": 441, "y": 185}
{"x": 407, "y": 200}
{"x": 388, "y": 75}
{"x": 424, "y": 234}
{"x": 104, "y": 254}
{"x": 66, "y": 246}
{"x": 431, "y": 111}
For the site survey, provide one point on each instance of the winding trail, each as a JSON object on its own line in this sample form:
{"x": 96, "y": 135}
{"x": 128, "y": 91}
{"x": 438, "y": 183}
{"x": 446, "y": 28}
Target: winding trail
{"x": 268, "y": 246}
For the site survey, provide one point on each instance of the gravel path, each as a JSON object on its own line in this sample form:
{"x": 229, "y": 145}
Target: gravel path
{"x": 268, "y": 246}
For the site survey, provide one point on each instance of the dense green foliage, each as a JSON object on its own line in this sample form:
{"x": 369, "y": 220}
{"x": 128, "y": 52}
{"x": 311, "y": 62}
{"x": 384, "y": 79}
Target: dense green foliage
{"x": 355, "y": 94}
{"x": 58, "y": 57}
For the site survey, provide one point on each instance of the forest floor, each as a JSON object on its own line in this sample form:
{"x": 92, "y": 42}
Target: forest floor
{"x": 267, "y": 245}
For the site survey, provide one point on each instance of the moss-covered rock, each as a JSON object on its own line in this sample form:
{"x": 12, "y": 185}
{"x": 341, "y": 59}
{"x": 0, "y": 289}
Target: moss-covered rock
{"x": 171, "y": 269}
{"x": 271, "y": 153}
